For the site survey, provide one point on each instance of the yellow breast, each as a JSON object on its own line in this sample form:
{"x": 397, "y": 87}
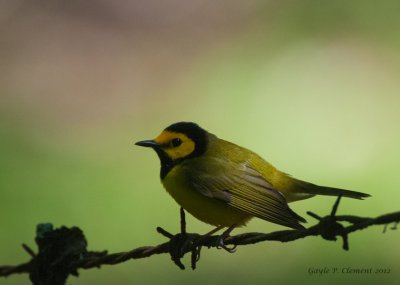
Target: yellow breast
{"x": 208, "y": 210}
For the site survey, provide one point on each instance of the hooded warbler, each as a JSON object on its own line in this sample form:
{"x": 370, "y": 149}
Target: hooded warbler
{"x": 223, "y": 184}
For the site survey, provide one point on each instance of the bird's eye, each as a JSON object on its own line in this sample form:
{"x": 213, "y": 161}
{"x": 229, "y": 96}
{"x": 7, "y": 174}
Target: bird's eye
{"x": 176, "y": 142}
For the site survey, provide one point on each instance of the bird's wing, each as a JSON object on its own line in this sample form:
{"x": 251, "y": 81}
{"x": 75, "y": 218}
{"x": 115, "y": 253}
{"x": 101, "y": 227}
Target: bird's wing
{"x": 242, "y": 187}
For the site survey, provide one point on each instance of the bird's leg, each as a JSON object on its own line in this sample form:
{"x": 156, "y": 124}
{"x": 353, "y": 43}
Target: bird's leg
{"x": 221, "y": 239}
{"x": 203, "y": 237}
{"x": 197, "y": 245}
{"x": 213, "y": 231}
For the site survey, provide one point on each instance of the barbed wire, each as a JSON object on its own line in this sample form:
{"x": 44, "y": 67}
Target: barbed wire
{"x": 63, "y": 251}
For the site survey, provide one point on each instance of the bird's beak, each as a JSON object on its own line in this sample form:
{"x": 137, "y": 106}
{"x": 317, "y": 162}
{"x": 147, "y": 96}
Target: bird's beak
{"x": 148, "y": 143}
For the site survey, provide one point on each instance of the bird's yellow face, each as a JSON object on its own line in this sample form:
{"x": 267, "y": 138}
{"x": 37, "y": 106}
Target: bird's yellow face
{"x": 175, "y": 145}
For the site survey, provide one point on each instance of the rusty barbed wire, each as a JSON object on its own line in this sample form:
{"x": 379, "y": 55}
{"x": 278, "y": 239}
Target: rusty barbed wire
{"x": 329, "y": 227}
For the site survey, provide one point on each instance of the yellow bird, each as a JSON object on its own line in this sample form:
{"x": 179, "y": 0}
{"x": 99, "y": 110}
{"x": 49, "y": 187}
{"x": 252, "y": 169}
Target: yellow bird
{"x": 225, "y": 185}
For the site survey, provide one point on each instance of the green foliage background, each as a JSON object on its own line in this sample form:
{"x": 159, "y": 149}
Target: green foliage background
{"x": 312, "y": 86}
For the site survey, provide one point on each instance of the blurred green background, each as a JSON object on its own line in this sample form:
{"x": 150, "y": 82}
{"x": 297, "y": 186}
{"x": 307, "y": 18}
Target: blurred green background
{"x": 312, "y": 86}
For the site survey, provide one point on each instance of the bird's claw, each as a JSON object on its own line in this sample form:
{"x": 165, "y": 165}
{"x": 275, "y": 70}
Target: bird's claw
{"x": 221, "y": 244}
{"x": 231, "y": 249}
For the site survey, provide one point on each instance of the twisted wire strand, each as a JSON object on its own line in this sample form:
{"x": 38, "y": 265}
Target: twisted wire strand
{"x": 328, "y": 227}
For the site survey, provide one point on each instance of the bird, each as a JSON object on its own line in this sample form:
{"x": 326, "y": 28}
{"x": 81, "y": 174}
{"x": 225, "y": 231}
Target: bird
{"x": 225, "y": 185}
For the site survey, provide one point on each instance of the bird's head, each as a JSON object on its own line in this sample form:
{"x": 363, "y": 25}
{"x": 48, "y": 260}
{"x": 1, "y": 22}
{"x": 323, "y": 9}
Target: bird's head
{"x": 176, "y": 143}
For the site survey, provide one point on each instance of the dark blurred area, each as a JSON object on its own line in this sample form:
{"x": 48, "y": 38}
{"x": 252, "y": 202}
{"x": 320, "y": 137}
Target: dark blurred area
{"x": 68, "y": 53}
{"x": 64, "y": 54}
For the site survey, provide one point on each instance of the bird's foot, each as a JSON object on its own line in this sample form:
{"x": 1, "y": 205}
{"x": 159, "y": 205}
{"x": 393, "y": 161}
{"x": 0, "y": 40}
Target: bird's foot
{"x": 222, "y": 238}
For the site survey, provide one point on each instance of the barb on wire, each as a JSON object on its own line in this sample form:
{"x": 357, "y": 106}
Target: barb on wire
{"x": 63, "y": 251}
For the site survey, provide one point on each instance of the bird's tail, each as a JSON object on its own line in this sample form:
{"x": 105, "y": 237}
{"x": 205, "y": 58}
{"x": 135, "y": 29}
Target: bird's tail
{"x": 309, "y": 188}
